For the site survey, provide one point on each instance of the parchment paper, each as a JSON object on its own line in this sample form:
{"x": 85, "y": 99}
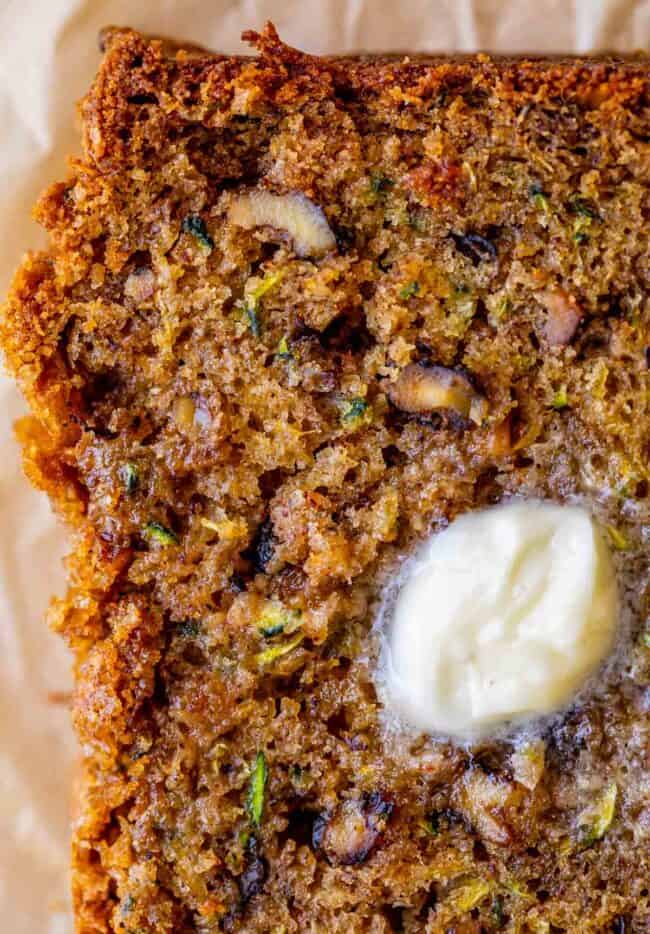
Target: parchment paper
{"x": 48, "y": 55}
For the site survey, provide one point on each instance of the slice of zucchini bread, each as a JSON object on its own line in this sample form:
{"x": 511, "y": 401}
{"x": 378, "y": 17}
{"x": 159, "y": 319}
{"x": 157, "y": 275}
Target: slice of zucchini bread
{"x": 295, "y": 313}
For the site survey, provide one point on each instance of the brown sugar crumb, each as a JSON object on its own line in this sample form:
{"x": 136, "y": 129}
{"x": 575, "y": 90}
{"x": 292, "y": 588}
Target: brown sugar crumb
{"x": 295, "y": 313}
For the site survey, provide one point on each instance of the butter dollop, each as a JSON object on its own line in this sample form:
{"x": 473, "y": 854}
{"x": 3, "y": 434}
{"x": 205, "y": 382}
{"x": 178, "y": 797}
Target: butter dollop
{"x": 502, "y": 616}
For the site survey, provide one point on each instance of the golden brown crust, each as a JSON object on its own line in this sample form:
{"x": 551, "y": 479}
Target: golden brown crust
{"x": 212, "y": 416}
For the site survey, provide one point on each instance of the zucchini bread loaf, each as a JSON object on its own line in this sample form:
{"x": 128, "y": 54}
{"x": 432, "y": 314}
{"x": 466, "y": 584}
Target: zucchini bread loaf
{"x": 295, "y": 314}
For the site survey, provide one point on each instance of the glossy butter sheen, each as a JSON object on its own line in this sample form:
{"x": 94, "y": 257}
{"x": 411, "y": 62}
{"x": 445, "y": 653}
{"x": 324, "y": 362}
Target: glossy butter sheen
{"x": 502, "y": 616}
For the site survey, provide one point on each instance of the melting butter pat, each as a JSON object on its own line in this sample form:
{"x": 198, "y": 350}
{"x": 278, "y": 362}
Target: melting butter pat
{"x": 502, "y": 616}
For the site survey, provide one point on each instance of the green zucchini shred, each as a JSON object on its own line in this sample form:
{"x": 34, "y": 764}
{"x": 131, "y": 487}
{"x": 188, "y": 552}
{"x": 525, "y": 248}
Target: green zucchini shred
{"x": 188, "y": 628}
{"x": 380, "y": 184}
{"x": 267, "y": 283}
{"x": 594, "y": 823}
{"x": 617, "y": 538}
{"x": 253, "y": 320}
{"x": 252, "y": 303}
{"x": 518, "y": 889}
{"x": 277, "y": 619}
{"x": 160, "y": 533}
{"x": 503, "y": 307}
{"x": 256, "y": 788}
{"x": 269, "y": 631}
{"x": 277, "y": 651}
{"x": 583, "y": 207}
{"x": 284, "y": 351}
{"x": 585, "y": 214}
{"x": 468, "y": 896}
{"x": 410, "y": 289}
{"x": 130, "y": 477}
{"x": 497, "y": 911}
{"x": 431, "y": 824}
{"x": 560, "y": 399}
{"x": 540, "y": 197}
{"x": 194, "y": 225}
{"x": 355, "y": 411}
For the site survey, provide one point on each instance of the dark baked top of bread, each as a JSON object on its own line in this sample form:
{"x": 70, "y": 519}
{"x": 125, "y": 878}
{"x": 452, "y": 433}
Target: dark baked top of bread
{"x": 251, "y": 271}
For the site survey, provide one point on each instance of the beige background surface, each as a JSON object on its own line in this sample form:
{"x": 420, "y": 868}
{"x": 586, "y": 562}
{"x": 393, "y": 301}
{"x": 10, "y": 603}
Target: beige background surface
{"x": 48, "y": 54}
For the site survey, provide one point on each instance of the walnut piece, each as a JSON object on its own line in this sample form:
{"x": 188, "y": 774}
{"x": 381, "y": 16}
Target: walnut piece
{"x": 420, "y": 389}
{"x": 293, "y": 213}
{"x": 349, "y": 834}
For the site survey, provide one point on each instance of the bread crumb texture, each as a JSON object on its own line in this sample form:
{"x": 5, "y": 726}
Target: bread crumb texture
{"x": 294, "y": 314}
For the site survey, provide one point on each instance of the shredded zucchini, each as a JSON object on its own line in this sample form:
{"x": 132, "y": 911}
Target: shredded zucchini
{"x": 540, "y": 197}
{"x": 278, "y": 619}
{"x": 596, "y": 820}
{"x": 431, "y": 824}
{"x": 585, "y": 214}
{"x": 460, "y": 308}
{"x": 410, "y": 289}
{"x": 497, "y": 911}
{"x": 160, "y": 533}
{"x": 130, "y": 477}
{"x": 471, "y": 894}
{"x": 355, "y": 411}
{"x": 195, "y": 225}
{"x": 267, "y": 283}
{"x": 272, "y": 630}
{"x": 277, "y": 651}
{"x": 583, "y": 207}
{"x": 504, "y": 307}
{"x": 617, "y": 538}
{"x": 380, "y": 184}
{"x": 253, "y": 300}
{"x": 253, "y": 320}
{"x": 188, "y": 628}
{"x": 519, "y": 890}
{"x": 284, "y": 351}
{"x": 256, "y": 788}
{"x": 560, "y": 399}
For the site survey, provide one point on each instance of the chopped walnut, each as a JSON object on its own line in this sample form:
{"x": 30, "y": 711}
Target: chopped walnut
{"x": 349, "y": 834}
{"x": 420, "y": 388}
{"x": 293, "y": 213}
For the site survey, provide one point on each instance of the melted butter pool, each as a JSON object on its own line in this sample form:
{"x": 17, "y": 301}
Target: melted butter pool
{"x": 502, "y": 616}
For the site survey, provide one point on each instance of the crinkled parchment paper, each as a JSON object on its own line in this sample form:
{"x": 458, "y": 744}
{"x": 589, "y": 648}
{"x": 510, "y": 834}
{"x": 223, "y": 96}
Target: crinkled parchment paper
{"x": 48, "y": 55}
